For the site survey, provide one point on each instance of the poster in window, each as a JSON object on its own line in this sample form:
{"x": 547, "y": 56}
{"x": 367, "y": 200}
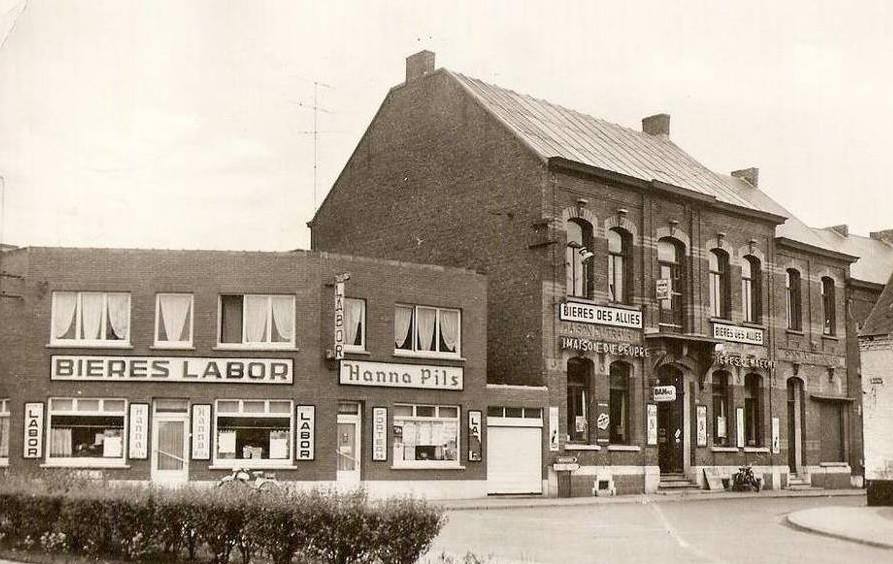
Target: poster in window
{"x": 739, "y": 424}
{"x": 201, "y": 432}
{"x": 379, "y": 434}
{"x": 474, "y": 436}
{"x": 721, "y": 426}
{"x": 702, "y": 424}
{"x": 553, "y": 428}
{"x": 138, "y": 426}
{"x": 112, "y": 444}
{"x": 33, "y": 444}
{"x": 306, "y": 448}
{"x": 776, "y": 443}
{"x": 651, "y": 423}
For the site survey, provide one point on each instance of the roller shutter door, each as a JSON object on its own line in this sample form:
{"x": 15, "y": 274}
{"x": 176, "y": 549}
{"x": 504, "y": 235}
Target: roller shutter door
{"x": 514, "y": 459}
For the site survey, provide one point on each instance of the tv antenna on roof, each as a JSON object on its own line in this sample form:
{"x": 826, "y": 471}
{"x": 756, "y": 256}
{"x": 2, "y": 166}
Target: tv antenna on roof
{"x": 315, "y": 131}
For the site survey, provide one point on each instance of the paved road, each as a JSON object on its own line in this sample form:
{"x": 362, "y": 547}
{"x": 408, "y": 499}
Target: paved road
{"x": 747, "y": 531}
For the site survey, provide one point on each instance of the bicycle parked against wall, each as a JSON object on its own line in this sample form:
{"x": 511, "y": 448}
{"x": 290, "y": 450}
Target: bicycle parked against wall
{"x": 247, "y": 478}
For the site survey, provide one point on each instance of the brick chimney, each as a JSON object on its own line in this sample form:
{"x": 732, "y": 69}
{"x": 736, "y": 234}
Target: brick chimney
{"x": 842, "y": 229}
{"x": 419, "y": 65}
{"x": 886, "y": 235}
{"x": 750, "y": 175}
{"x": 658, "y": 124}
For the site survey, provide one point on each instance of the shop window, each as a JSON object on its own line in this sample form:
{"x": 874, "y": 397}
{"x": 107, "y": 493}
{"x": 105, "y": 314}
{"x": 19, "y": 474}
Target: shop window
{"x": 173, "y": 320}
{"x": 91, "y": 318}
{"x": 721, "y": 403}
{"x": 751, "y": 289}
{"x": 578, "y": 258}
{"x": 86, "y": 432}
{"x": 831, "y": 429}
{"x": 254, "y": 320}
{"x": 427, "y": 331}
{"x": 829, "y": 314}
{"x": 354, "y": 324}
{"x": 579, "y": 371}
{"x": 752, "y": 411}
{"x": 619, "y": 263}
{"x": 720, "y": 303}
{"x": 253, "y": 432}
{"x": 515, "y": 412}
{"x": 670, "y": 254}
{"x": 426, "y": 435}
{"x": 4, "y": 432}
{"x": 793, "y": 300}
{"x": 619, "y": 403}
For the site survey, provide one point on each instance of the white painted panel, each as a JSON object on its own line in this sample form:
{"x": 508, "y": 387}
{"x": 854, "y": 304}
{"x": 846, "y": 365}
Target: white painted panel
{"x": 514, "y": 460}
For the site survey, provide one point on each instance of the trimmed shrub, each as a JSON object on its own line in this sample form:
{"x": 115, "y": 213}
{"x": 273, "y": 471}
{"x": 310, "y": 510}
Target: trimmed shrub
{"x": 406, "y": 530}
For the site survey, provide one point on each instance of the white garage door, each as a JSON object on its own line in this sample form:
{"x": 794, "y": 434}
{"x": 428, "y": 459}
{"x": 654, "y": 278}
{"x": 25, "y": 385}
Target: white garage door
{"x": 514, "y": 458}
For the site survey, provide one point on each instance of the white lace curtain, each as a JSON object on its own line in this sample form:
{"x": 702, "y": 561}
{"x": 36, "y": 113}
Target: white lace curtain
{"x": 91, "y": 316}
{"x": 353, "y": 317}
{"x": 174, "y": 310}
{"x": 60, "y": 442}
{"x": 119, "y": 316}
{"x": 284, "y": 317}
{"x": 449, "y": 329}
{"x": 426, "y": 328}
{"x": 402, "y": 325}
{"x": 64, "y": 308}
{"x": 256, "y": 309}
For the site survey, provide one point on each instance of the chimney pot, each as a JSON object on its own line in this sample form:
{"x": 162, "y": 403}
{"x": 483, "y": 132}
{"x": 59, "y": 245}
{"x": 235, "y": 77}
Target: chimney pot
{"x": 419, "y": 65}
{"x": 750, "y": 175}
{"x": 842, "y": 229}
{"x": 886, "y": 235}
{"x": 658, "y": 124}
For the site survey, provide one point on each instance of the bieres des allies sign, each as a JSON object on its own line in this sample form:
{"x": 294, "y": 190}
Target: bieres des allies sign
{"x": 172, "y": 369}
{"x": 579, "y": 312}
{"x": 391, "y": 375}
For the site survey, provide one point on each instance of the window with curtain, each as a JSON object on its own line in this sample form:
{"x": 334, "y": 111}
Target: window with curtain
{"x": 752, "y": 411}
{"x": 257, "y": 320}
{"x": 86, "y": 431}
{"x": 173, "y": 320}
{"x": 619, "y": 403}
{"x": 578, "y": 258}
{"x": 91, "y": 318}
{"x": 793, "y": 299}
{"x": 670, "y": 253}
{"x": 426, "y": 435}
{"x": 619, "y": 242}
{"x": 253, "y": 432}
{"x": 718, "y": 277}
{"x": 579, "y": 376}
{"x": 751, "y": 289}
{"x": 721, "y": 402}
{"x": 354, "y": 324}
{"x": 4, "y": 431}
{"x": 427, "y": 330}
{"x": 829, "y": 306}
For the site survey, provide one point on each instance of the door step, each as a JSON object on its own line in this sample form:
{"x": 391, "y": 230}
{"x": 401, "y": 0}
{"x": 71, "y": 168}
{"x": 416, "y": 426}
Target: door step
{"x": 800, "y": 483}
{"x": 676, "y": 483}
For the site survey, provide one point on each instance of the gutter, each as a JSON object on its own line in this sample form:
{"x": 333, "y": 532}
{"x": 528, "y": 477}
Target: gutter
{"x": 807, "y": 248}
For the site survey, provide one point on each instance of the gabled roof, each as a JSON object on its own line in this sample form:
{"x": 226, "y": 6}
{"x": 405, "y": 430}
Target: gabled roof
{"x": 880, "y": 320}
{"x": 554, "y": 131}
{"x": 875, "y": 262}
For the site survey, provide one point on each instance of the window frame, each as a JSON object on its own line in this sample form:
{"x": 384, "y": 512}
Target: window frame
{"x": 753, "y": 410}
{"x": 829, "y": 307}
{"x": 719, "y": 284}
{"x": 414, "y": 328}
{"x": 158, "y": 344}
{"x": 5, "y": 416}
{"x": 362, "y": 347}
{"x": 676, "y": 310}
{"x": 625, "y": 372}
{"x": 78, "y": 313}
{"x": 266, "y": 345}
{"x": 794, "y": 299}
{"x": 751, "y": 286}
{"x": 584, "y": 389}
{"x": 572, "y": 252}
{"x": 87, "y": 461}
{"x": 427, "y": 464}
{"x": 723, "y": 397}
{"x": 625, "y": 266}
{"x": 230, "y": 463}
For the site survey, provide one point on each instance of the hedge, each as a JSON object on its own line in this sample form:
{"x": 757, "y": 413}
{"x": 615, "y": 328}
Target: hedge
{"x": 219, "y": 524}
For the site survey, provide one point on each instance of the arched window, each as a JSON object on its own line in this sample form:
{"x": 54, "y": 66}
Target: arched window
{"x": 753, "y": 434}
{"x": 792, "y": 295}
{"x": 829, "y": 306}
{"x": 721, "y": 403}
{"x": 751, "y": 277}
{"x": 619, "y": 403}
{"x": 579, "y": 371}
{"x": 618, "y": 266}
{"x": 720, "y": 303}
{"x": 578, "y": 258}
{"x": 670, "y": 254}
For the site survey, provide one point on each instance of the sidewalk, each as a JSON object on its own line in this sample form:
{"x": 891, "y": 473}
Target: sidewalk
{"x": 702, "y": 495}
{"x": 866, "y": 525}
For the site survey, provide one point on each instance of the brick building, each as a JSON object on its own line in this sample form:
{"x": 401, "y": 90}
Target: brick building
{"x": 168, "y": 366}
{"x": 676, "y": 322}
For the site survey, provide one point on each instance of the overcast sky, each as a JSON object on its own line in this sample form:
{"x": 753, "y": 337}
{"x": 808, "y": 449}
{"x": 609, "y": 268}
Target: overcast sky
{"x": 173, "y": 124}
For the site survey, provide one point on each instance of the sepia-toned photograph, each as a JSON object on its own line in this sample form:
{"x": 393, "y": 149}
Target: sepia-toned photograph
{"x": 397, "y": 282}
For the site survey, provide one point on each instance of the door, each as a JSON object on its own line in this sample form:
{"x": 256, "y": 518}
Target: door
{"x": 349, "y": 444}
{"x": 170, "y": 437}
{"x": 832, "y": 431}
{"x": 795, "y": 422}
{"x": 671, "y": 424}
{"x": 515, "y": 455}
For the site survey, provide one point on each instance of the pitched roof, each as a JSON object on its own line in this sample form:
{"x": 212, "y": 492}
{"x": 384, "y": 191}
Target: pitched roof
{"x": 875, "y": 262}
{"x": 880, "y": 320}
{"x": 554, "y": 131}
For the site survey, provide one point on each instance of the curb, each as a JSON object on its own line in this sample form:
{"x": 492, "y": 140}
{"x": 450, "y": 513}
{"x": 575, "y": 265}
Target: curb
{"x": 534, "y": 503}
{"x": 796, "y": 522}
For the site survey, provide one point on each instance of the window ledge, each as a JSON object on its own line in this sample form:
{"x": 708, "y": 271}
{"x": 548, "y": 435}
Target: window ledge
{"x": 252, "y": 466}
{"x": 163, "y": 347}
{"x": 430, "y": 356}
{"x": 831, "y": 337}
{"x": 255, "y": 348}
{"x": 75, "y": 463}
{"x": 90, "y": 345}
{"x": 833, "y": 464}
{"x": 794, "y": 332}
{"x": 357, "y": 352}
{"x": 568, "y": 446}
{"x": 427, "y": 466}
{"x": 756, "y": 449}
{"x": 723, "y": 449}
{"x": 619, "y": 305}
{"x": 722, "y": 320}
{"x": 625, "y": 448}
{"x": 753, "y": 324}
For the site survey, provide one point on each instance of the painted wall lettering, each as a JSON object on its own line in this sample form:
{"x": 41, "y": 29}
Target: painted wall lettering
{"x": 390, "y": 375}
{"x": 599, "y": 315}
{"x": 173, "y": 369}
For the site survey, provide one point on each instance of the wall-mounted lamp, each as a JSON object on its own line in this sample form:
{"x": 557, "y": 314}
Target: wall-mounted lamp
{"x": 621, "y": 214}
{"x": 586, "y": 253}
{"x": 673, "y": 223}
{"x": 720, "y": 237}
{"x": 752, "y": 244}
{"x": 582, "y": 202}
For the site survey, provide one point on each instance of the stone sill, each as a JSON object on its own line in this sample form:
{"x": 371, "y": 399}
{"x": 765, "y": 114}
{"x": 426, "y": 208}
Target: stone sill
{"x": 581, "y": 447}
{"x": 723, "y": 449}
{"x": 625, "y": 448}
{"x": 756, "y": 449}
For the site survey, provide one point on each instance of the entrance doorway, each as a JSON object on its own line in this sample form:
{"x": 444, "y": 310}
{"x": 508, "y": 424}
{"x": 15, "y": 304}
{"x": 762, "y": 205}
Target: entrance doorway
{"x": 170, "y": 438}
{"x": 349, "y": 449}
{"x": 795, "y": 424}
{"x": 671, "y": 423}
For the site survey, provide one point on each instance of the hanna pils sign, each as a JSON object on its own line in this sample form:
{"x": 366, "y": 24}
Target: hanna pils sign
{"x": 33, "y": 446}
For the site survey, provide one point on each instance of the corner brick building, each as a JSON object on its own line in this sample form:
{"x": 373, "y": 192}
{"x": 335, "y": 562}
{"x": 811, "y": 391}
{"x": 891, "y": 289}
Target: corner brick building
{"x": 674, "y": 322}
